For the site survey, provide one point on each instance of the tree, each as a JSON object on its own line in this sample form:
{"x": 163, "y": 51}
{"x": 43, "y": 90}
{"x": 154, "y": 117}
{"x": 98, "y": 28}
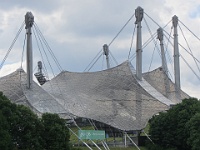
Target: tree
{"x": 22, "y": 125}
{"x": 55, "y": 134}
{"x": 20, "y": 128}
{"x": 5, "y": 138}
{"x": 193, "y": 126}
{"x": 26, "y": 129}
{"x": 168, "y": 128}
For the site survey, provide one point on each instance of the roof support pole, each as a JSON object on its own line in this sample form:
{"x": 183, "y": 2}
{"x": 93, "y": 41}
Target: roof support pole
{"x": 176, "y": 54}
{"x": 29, "y": 20}
{"x": 164, "y": 62}
{"x": 106, "y": 52}
{"x": 139, "y": 16}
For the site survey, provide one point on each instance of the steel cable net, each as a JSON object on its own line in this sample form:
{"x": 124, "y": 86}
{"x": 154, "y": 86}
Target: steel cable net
{"x": 15, "y": 88}
{"x": 157, "y": 79}
{"x": 113, "y": 96}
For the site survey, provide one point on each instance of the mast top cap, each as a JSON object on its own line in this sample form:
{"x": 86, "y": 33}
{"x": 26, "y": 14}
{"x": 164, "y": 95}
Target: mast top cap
{"x": 139, "y": 14}
{"x": 29, "y": 20}
{"x": 175, "y": 21}
{"x": 160, "y": 34}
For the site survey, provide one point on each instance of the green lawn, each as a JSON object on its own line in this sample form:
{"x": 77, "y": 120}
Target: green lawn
{"x": 74, "y": 140}
{"x": 115, "y": 148}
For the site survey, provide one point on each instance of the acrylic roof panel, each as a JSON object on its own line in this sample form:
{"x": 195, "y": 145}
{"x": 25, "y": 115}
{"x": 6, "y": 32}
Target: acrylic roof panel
{"x": 14, "y": 87}
{"x": 112, "y": 96}
{"x": 157, "y": 79}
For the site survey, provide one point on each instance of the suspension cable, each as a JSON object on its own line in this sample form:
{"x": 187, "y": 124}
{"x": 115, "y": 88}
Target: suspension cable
{"x": 156, "y": 22}
{"x": 185, "y": 49}
{"x": 189, "y": 30}
{"x": 132, "y": 57}
{"x": 186, "y": 61}
{"x": 109, "y": 45}
{"x": 102, "y": 63}
{"x": 22, "y": 57}
{"x": 152, "y": 19}
{"x": 45, "y": 53}
{"x": 131, "y": 42}
{"x": 189, "y": 47}
{"x": 113, "y": 58}
{"x": 152, "y": 37}
{"x": 12, "y": 44}
{"x": 190, "y": 67}
{"x": 149, "y": 41}
{"x": 152, "y": 58}
{"x": 155, "y": 43}
{"x": 37, "y": 42}
{"x": 167, "y": 52}
{"x": 48, "y": 47}
{"x": 168, "y": 38}
{"x": 121, "y": 29}
{"x": 93, "y": 60}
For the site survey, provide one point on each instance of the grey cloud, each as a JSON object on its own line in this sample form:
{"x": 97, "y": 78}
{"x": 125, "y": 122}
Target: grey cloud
{"x": 77, "y": 35}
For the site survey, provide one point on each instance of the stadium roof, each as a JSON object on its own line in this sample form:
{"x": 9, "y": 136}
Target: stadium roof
{"x": 113, "y": 96}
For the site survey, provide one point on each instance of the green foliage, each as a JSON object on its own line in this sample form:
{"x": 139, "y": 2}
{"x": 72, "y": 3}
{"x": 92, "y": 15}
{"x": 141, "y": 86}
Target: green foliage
{"x": 193, "y": 126}
{"x": 168, "y": 129}
{"x": 5, "y": 138}
{"x": 55, "y": 134}
{"x": 21, "y": 129}
{"x": 25, "y": 130}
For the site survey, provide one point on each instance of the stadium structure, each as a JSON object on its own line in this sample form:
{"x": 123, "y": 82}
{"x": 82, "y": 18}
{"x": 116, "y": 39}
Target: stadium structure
{"x": 121, "y": 97}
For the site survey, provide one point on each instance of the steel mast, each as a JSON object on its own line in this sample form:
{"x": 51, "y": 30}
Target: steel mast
{"x": 29, "y": 20}
{"x": 164, "y": 62}
{"x": 106, "y": 52}
{"x": 139, "y": 16}
{"x": 176, "y": 55}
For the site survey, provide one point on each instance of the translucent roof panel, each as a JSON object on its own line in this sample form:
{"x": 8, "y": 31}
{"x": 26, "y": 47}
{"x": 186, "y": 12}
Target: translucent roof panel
{"x": 14, "y": 87}
{"x": 157, "y": 79}
{"x": 113, "y": 96}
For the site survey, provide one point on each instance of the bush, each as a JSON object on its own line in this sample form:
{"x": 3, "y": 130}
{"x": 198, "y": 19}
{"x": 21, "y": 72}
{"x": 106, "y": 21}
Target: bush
{"x": 20, "y": 128}
{"x": 168, "y": 129}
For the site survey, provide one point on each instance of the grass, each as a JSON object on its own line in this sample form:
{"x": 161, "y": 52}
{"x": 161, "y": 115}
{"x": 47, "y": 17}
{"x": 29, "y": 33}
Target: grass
{"x": 114, "y": 148}
{"x": 74, "y": 140}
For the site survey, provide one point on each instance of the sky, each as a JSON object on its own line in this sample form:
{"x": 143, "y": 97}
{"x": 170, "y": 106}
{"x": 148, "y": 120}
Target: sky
{"x": 76, "y": 31}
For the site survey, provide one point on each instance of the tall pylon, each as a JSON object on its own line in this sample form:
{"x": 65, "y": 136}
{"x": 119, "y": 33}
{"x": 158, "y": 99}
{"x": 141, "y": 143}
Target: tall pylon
{"x": 176, "y": 57}
{"x": 139, "y": 16}
{"x": 29, "y": 20}
{"x": 106, "y": 52}
{"x": 164, "y": 62}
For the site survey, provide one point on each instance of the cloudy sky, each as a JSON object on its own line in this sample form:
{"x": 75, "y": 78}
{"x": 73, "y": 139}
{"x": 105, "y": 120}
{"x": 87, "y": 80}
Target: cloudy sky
{"x": 76, "y": 30}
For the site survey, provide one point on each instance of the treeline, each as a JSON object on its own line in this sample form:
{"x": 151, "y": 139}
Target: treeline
{"x": 21, "y": 129}
{"x": 178, "y": 128}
